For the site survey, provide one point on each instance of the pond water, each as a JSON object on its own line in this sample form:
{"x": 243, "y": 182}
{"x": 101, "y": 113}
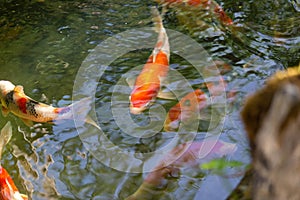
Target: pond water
{"x": 47, "y": 46}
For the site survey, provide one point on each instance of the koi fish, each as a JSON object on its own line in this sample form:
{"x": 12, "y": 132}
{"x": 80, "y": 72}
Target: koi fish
{"x": 211, "y": 5}
{"x": 13, "y": 99}
{"x": 188, "y": 156}
{"x": 8, "y": 190}
{"x": 186, "y": 109}
{"x": 148, "y": 82}
{"x": 189, "y": 107}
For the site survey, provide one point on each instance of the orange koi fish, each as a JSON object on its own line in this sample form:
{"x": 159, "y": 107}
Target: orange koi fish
{"x": 8, "y": 190}
{"x": 211, "y": 5}
{"x": 13, "y": 99}
{"x": 189, "y": 106}
{"x": 148, "y": 82}
{"x": 188, "y": 156}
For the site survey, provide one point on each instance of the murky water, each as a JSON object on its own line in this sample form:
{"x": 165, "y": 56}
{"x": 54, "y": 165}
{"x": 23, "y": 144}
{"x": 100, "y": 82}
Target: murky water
{"x": 43, "y": 45}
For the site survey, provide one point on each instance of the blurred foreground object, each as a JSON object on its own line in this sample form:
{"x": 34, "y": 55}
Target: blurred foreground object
{"x": 272, "y": 121}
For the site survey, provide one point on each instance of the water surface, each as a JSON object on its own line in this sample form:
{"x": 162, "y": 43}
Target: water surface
{"x": 43, "y": 45}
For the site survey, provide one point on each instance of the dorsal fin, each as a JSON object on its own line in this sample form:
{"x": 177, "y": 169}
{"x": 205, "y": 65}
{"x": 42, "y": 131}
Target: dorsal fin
{"x": 19, "y": 89}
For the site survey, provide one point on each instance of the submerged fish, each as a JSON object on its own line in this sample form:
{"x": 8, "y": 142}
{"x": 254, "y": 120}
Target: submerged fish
{"x": 148, "y": 82}
{"x": 8, "y": 190}
{"x": 13, "y": 99}
{"x": 186, "y": 109}
{"x": 210, "y": 5}
{"x": 185, "y": 155}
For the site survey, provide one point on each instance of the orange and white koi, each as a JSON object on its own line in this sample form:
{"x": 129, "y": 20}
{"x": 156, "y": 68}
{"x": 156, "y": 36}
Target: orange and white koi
{"x": 185, "y": 110}
{"x": 8, "y": 189}
{"x": 13, "y": 99}
{"x": 148, "y": 82}
{"x": 211, "y": 5}
{"x": 185, "y": 155}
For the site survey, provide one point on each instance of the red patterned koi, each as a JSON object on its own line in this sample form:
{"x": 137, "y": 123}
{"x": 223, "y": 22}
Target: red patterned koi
{"x": 13, "y": 99}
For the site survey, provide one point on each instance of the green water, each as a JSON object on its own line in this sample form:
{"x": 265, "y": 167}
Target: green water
{"x": 43, "y": 45}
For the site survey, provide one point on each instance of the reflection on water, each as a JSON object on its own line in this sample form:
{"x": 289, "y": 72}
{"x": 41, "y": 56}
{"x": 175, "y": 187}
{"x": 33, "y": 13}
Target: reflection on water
{"x": 43, "y": 45}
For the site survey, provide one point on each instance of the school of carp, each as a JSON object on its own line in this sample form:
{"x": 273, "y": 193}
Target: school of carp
{"x": 146, "y": 89}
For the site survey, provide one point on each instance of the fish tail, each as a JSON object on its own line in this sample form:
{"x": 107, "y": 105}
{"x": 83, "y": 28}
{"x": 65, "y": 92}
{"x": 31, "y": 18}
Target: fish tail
{"x": 163, "y": 40}
{"x": 78, "y": 111}
{"x": 157, "y": 19}
{"x": 79, "y": 108}
{"x": 5, "y": 136}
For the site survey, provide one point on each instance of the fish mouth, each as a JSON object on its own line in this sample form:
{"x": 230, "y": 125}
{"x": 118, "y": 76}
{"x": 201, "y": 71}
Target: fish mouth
{"x": 136, "y": 110}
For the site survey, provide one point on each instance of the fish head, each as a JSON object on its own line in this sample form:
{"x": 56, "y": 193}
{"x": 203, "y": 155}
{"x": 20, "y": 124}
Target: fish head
{"x": 201, "y": 98}
{"x": 192, "y": 103}
{"x": 5, "y": 87}
{"x": 141, "y": 97}
{"x": 186, "y": 110}
{"x": 173, "y": 118}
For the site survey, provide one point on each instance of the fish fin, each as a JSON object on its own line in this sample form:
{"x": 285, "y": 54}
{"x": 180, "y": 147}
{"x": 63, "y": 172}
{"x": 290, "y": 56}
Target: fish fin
{"x": 81, "y": 110}
{"x": 166, "y": 95}
{"x": 24, "y": 196}
{"x": 90, "y": 121}
{"x": 44, "y": 98}
{"x": 18, "y": 196}
{"x": 27, "y": 122}
{"x": 19, "y": 89}
{"x": 130, "y": 81}
{"x": 6, "y": 133}
{"x": 5, "y": 111}
{"x": 164, "y": 92}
